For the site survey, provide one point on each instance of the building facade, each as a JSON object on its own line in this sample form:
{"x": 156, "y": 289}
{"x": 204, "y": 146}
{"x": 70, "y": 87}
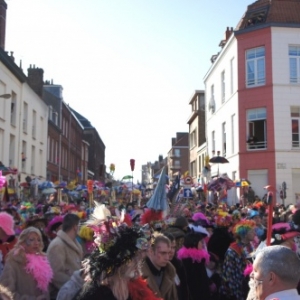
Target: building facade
{"x": 253, "y": 87}
{"x": 23, "y": 123}
{"x": 197, "y": 135}
{"x": 178, "y": 155}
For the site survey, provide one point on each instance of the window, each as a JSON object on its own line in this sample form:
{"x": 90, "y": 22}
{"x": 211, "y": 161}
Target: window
{"x": 41, "y": 129}
{"x": 233, "y": 176}
{"x": 48, "y": 148}
{"x": 257, "y": 131}
{"x": 295, "y": 118}
{"x": 193, "y": 139}
{"x": 25, "y": 117}
{"x": 176, "y": 152}
{"x": 177, "y": 163}
{"x": 224, "y": 138}
{"x": 232, "y": 133}
{"x": 12, "y": 149}
{"x": 50, "y": 112}
{"x": 13, "y": 109}
{"x": 256, "y": 17}
{"x": 212, "y": 104}
{"x": 223, "y": 86}
{"x": 255, "y": 66}
{"x": 294, "y": 55}
{"x": 213, "y": 141}
{"x": 34, "y": 124}
{"x": 23, "y": 155}
{"x": 33, "y": 159}
{"x": 232, "y": 76}
{"x": 193, "y": 169}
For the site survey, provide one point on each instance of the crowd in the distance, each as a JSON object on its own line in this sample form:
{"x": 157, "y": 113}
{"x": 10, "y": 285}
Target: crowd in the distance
{"x": 197, "y": 251}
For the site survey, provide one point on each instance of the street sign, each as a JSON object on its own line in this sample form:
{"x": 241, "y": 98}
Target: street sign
{"x": 187, "y": 193}
{"x": 188, "y": 180}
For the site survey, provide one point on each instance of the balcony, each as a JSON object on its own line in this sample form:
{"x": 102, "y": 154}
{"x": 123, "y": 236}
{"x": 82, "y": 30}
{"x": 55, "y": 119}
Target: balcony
{"x": 175, "y": 167}
{"x": 175, "y": 155}
{"x": 259, "y": 145}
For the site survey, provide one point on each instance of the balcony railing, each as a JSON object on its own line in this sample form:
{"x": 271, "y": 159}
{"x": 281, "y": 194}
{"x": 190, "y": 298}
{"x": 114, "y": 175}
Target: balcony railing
{"x": 174, "y": 155}
{"x": 257, "y": 145}
{"x": 175, "y": 167}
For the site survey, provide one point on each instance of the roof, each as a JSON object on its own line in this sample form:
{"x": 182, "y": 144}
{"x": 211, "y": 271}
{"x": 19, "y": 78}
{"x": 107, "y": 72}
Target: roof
{"x": 84, "y": 121}
{"x": 263, "y": 12}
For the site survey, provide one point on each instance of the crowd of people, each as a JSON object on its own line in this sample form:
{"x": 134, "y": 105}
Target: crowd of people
{"x": 197, "y": 250}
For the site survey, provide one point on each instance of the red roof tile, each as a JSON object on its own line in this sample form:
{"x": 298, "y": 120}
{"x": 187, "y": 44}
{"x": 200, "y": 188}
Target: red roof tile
{"x": 271, "y": 11}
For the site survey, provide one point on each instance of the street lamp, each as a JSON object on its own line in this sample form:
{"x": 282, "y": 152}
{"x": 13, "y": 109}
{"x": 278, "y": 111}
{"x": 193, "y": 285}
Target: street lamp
{"x": 5, "y": 96}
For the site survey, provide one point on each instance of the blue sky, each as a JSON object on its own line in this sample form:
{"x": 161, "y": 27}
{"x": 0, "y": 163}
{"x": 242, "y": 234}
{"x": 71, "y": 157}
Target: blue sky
{"x": 129, "y": 66}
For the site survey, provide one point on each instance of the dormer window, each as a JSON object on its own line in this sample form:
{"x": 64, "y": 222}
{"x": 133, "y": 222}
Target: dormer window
{"x": 256, "y": 17}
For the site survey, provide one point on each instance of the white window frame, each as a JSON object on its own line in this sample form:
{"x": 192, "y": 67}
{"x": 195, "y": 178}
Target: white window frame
{"x": 294, "y": 61}
{"x": 213, "y": 141}
{"x": 257, "y": 127}
{"x": 212, "y": 104}
{"x": 255, "y": 67}
{"x": 232, "y": 132}
{"x": 224, "y": 139}
{"x": 223, "y": 87}
{"x": 231, "y": 75}
{"x": 295, "y": 126}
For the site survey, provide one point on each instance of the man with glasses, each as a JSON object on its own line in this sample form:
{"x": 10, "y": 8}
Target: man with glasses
{"x": 157, "y": 269}
{"x": 276, "y": 274}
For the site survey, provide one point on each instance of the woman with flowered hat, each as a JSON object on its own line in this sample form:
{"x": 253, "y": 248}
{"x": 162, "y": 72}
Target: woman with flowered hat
{"x": 112, "y": 271}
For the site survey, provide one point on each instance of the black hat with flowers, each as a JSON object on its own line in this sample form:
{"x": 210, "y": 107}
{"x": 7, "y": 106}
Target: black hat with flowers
{"x": 117, "y": 244}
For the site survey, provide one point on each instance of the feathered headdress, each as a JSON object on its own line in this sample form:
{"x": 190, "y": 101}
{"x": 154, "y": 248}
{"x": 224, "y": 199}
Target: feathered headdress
{"x": 116, "y": 243}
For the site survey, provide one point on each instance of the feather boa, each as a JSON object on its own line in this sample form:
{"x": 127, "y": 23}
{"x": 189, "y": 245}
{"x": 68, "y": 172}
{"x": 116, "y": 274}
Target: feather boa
{"x": 193, "y": 253}
{"x": 39, "y": 267}
{"x": 248, "y": 270}
{"x": 139, "y": 290}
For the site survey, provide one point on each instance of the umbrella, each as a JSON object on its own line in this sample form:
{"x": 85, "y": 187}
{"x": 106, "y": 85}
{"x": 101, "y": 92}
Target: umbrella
{"x": 127, "y": 177}
{"x": 35, "y": 181}
{"x": 219, "y": 183}
{"x": 48, "y": 191}
{"x": 158, "y": 176}
{"x": 242, "y": 182}
{"x": 218, "y": 160}
{"x": 81, "y": 187}
{"x": 7, "y": 170}
{"x": 61, "y": 184}
{"x": 46, "y": 185}
{"x": 158, "y": 200}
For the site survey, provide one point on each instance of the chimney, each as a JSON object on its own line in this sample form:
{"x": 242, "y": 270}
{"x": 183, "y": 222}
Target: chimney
{"x": 228, "y": 33}
{"x": 3, "y": 8}
{"x": 35, "y": 79}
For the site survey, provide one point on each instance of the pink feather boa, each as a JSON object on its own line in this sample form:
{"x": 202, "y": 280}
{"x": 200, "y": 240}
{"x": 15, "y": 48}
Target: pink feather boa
{"x": 248, "y": 270}
{"x": 193, "y": 253}
{"x": 38, "y": 266}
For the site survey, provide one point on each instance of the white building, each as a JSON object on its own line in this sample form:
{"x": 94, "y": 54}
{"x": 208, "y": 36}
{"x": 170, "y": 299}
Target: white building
{"x": 253, "y": 100}
{"x": 23, "y": 123}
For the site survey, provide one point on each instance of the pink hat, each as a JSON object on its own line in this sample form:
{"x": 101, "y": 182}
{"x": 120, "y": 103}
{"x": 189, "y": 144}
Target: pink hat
{"x": 7, "y": 223}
